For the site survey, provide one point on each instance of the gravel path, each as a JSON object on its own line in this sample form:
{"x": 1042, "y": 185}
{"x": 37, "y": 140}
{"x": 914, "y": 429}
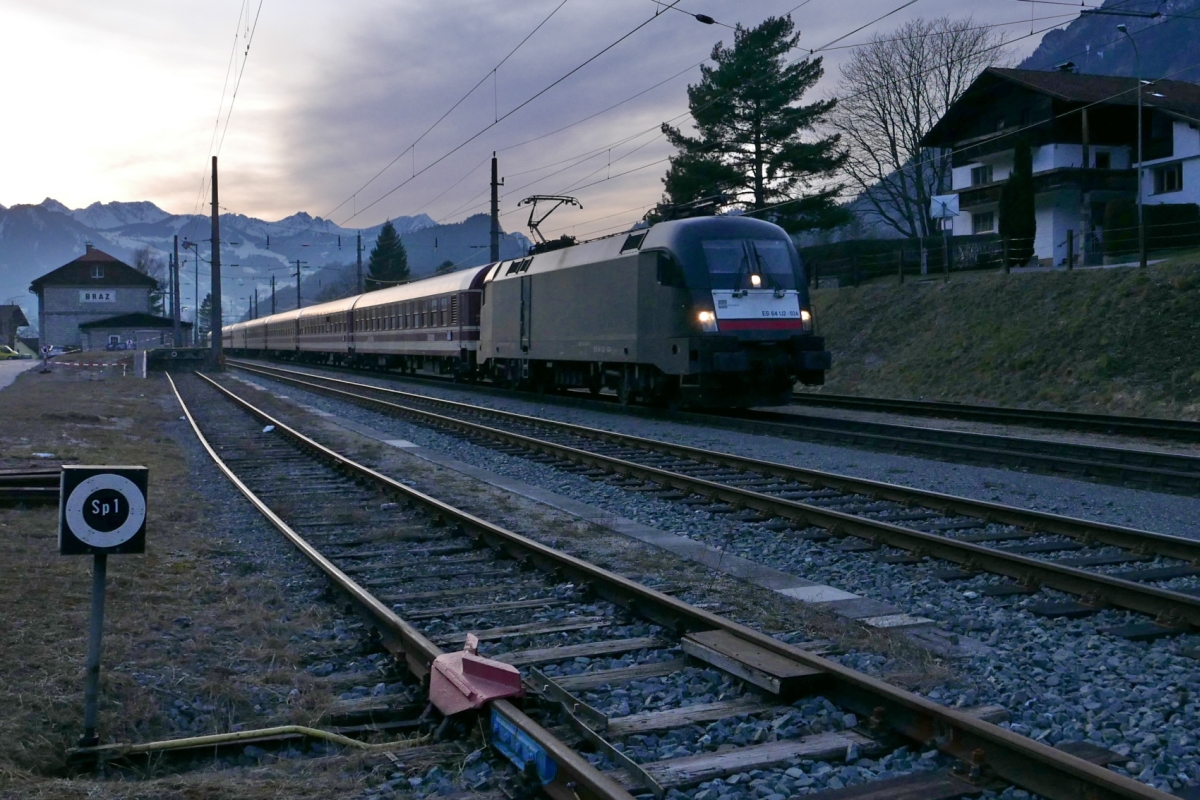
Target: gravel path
{"x": 1061, "y": 680}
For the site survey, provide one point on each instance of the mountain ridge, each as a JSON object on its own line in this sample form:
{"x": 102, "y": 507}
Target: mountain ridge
{"x": 37, "y": 238}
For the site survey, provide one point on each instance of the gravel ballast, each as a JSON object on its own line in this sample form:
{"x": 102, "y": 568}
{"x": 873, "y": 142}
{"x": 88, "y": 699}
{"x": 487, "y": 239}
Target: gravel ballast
{"x": 1060, "y": 679}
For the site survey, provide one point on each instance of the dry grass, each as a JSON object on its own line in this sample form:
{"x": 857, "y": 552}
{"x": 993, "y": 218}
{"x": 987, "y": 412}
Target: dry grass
{"x": 1121, "y": 340}
{"x": 234, "y": 645}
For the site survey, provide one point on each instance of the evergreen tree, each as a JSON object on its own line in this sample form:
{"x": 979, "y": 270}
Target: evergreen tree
{"x": 754, "y": 139}
{"x": 444, "y": 268}
{"x": 389, "y": 262}
{"x": 1018, "y": 222}
{"x": 203, "y": 317}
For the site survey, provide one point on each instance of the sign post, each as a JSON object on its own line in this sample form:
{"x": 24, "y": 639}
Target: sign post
{"x": 101, "y": 510}
{"x": 943, "y": 207}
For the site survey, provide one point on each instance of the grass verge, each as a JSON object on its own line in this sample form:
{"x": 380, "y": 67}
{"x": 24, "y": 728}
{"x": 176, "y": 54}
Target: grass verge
{"x": 201, "y": 633}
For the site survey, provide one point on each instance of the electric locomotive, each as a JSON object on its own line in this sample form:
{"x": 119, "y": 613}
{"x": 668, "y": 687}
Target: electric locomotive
{"x": 707, "y": 311}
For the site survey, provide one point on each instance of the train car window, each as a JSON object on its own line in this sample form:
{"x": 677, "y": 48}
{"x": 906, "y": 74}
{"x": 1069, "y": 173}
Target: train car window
{"x": 669, "y": 273}
{"x": 444, "y": 312}
{"x": 633, "y": 241}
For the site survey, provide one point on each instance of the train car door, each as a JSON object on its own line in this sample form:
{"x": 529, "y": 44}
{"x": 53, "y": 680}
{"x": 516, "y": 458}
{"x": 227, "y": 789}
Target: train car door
{"x": 526, "y": 311}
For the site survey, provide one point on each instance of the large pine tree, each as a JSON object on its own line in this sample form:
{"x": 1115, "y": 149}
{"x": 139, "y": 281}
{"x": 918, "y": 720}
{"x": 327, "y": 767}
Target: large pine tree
{"x": 388, "y": 265}
{"x": 1018, "y": 221}
{"x": 754, "y": 140}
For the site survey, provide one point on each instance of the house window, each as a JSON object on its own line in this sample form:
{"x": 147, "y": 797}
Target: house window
{"x": 1103, "y": 160}
{"x": 97, "y": 271}
{"x": 983, "y": 222}
{"x": 1168, "y": 178}
{"x": 981, "y": 175}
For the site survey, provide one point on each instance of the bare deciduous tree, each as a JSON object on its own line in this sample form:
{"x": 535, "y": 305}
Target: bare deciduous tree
{"x": 894, "y": 91}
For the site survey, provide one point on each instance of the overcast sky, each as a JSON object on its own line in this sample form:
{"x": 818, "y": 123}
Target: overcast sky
{"x": 118, "y": 100}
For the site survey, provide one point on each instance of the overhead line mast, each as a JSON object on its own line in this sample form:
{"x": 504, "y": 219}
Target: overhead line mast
{"x": 214, "y": 313}
{"x": 495, "y": 238}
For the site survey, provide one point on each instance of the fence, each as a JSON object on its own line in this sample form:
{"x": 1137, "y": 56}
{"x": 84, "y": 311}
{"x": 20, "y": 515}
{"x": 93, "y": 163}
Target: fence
{"x": 850, "y": 263}
{"x": 853, "y": 262}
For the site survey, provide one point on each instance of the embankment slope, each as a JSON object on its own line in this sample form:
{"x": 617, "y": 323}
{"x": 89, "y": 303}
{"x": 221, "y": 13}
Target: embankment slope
{"x": 1122, "y": 340}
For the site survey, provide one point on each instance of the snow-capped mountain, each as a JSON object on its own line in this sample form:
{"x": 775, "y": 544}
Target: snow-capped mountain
{"x": 35, "y": 239}
{"x": 106, "y": 216}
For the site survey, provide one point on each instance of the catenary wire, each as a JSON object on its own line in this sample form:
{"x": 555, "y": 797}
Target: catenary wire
{"x": 459, "y": 102}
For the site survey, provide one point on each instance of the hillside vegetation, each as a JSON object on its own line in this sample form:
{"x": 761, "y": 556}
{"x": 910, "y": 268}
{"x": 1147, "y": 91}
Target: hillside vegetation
{"x": 1121, "y": 340}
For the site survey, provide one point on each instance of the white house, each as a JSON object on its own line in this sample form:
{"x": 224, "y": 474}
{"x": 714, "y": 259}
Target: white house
{"x": 1082, "y": 131}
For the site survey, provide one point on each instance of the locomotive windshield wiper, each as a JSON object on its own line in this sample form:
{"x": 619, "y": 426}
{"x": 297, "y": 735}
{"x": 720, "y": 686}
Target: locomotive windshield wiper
{"x": 763, "y": 269}
{"x": 743, "y": 265}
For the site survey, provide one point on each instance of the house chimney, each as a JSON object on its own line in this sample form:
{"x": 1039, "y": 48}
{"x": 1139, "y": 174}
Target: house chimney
{"x": 88, "y": 245}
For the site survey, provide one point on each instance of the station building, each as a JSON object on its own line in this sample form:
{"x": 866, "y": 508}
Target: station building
{"x": 97, "y": 300}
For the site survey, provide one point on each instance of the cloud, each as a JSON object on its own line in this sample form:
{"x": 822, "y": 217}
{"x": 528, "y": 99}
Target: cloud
{"x": 333, "y": 92}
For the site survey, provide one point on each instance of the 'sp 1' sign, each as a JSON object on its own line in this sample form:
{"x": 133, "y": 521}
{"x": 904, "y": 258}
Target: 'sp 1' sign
{"x": 102, "y": 510}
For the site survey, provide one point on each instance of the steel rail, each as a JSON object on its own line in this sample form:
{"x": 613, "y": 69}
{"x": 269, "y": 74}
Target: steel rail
{"x": 1168, "y": 607}
{"x": 1156, "y": 427}
{"x": 1014, "y": 758}
{"x": 1084, "y": 530}
{"x": 1175, "y": 473}
{"x": 1126, "y": 464}
{"x": 396, "y": 634}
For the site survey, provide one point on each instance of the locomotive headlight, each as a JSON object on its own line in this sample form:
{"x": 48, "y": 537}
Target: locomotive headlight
{"x": 756, "y": 281}
{"x": 806, "y": 319}
{"x": 708, "y": 321}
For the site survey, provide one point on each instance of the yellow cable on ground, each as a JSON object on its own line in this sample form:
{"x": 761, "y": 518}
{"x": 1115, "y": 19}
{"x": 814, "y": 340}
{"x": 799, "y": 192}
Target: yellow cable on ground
{"x": 121, "y": 749}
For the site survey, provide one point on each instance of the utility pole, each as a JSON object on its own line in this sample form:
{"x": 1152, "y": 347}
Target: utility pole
{"x": 496, "y": 184}
{"x": 272, "y": 295}
{"x": 1141, "y": 219}
{"x": 299, "y": 303}
{"x": 214, "y": 314}
{"x": 196, "y": 298}
{"x": 175, "y": 307}
{"x": 360, "y": 279}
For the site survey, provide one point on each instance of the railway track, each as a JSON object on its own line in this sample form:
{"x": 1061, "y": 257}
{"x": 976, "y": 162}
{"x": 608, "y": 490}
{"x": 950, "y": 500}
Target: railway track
{"x": 37, "y": 486}
{"x": 425, "y": 574}
{"x": 1123, "y": 466}
{"x": 1101, "y": 565}
{"x": 1177, "y": 430}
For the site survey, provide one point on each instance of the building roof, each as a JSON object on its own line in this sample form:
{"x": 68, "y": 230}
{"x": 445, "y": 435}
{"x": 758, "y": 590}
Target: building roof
{"x": 17, "y": 314}
{"x": 1179, "y": 98}
{"x": 79, "y": 273}
{"x": 138, "y": 320}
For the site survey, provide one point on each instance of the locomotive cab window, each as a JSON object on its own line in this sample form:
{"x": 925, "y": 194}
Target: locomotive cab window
{"x": 668, "y": 271}
{"x": 741, "y": 264}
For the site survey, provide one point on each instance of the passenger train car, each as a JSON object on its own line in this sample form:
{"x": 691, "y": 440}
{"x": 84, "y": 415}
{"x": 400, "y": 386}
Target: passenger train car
{"x": 708, "y": 311}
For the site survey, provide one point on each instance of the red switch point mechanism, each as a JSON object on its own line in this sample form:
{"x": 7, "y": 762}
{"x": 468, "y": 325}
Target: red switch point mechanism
{"x": 463, "y": 680}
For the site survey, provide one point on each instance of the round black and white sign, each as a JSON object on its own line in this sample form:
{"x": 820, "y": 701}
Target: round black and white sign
{"x": 105, "y": 510}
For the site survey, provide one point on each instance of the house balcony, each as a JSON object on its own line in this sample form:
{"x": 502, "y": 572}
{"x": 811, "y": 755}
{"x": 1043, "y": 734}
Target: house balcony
{"x": 1051, "y": 180}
